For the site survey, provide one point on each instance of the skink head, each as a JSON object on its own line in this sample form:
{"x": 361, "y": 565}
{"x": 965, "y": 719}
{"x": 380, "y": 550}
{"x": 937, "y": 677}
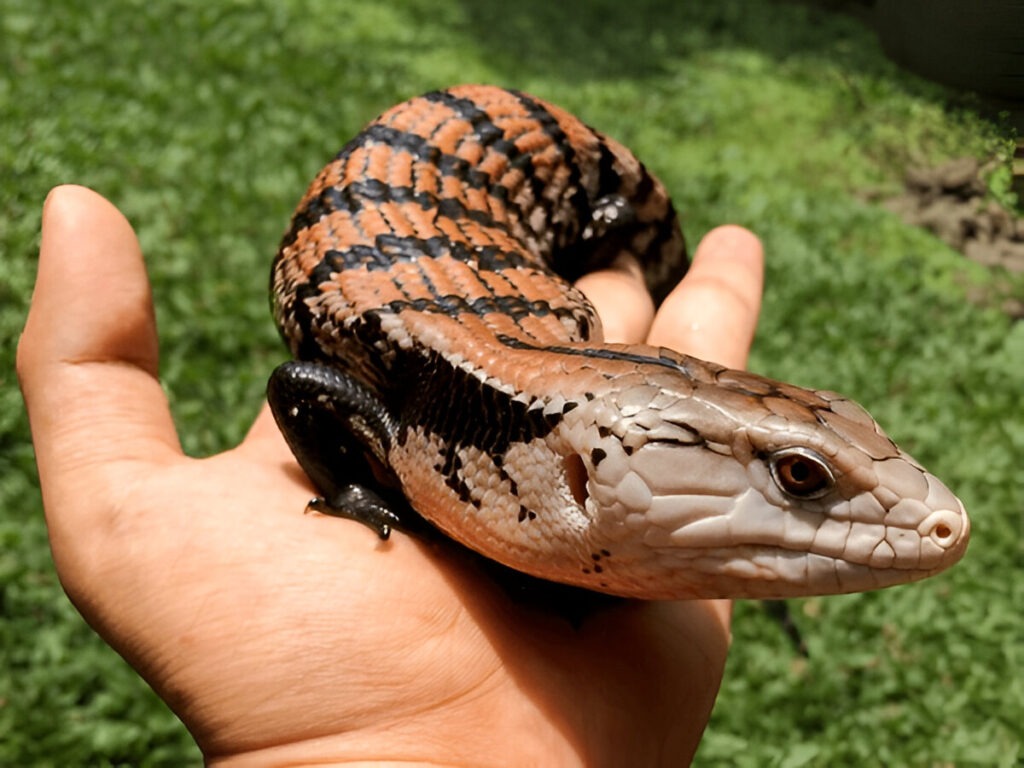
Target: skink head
{"x": 721, "y": 483}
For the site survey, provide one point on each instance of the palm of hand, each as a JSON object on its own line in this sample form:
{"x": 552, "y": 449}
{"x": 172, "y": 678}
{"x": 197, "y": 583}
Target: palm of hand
{"x": 302, "y": 637}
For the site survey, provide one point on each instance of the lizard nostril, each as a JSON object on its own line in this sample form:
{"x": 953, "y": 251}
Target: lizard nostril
{"x": 944, "y": 528}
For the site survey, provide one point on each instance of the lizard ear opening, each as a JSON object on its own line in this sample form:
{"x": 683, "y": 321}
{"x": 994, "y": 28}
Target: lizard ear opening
{"x": 576, "y": 476}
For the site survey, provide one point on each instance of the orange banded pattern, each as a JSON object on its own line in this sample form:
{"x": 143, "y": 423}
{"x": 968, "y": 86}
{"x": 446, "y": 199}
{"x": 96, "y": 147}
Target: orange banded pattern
{"x": 478, "y": 193}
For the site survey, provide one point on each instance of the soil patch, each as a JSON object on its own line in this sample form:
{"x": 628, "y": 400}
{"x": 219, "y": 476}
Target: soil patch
{"x": 950, "y": 201}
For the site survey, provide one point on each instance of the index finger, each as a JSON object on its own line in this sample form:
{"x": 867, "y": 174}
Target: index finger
{"x": 620, "y": 296}
{"x": 712, "y": 314}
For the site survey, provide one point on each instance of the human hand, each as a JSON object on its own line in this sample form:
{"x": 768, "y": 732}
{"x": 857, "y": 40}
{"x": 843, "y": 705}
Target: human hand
{"x": 283, "y": 637}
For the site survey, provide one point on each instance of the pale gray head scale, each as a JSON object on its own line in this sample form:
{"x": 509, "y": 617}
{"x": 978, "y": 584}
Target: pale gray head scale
{"x": 729, "y": 484}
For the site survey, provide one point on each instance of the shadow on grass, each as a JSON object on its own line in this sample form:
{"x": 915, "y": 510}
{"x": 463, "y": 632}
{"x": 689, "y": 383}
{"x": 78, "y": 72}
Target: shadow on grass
{"x": 608, "y": 39}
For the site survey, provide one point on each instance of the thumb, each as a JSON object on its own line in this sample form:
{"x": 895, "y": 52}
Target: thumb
{"x": 87, "y": 358}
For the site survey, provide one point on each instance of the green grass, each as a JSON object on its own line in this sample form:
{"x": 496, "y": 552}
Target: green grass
{"x": 204, "y": 122}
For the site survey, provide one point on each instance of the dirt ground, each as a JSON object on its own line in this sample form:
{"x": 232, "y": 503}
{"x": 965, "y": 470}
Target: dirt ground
{"x": 950, "y": 202}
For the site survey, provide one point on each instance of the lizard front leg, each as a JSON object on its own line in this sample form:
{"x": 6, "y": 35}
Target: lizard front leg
{"x": 337, "y": 429}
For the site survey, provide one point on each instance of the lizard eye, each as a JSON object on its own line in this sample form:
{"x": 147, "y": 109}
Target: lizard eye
{"x": 801, "y": 473}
